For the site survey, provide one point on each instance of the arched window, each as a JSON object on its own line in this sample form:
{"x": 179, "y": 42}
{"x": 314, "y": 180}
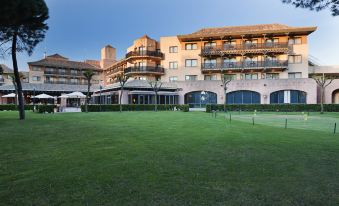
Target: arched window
{"x": 199, "y": 99}
{"x": 243, "y": 97}
{"x": 288, "y": 97}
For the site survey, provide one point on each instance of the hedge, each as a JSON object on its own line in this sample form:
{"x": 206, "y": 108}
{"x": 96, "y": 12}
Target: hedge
{"x": 134, "y": 107}
{"x": 273, "y": 107}
{"x": 39, "y": 108}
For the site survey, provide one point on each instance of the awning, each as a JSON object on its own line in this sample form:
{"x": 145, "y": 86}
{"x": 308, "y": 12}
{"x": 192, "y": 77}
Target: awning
{"x": 43, "y": 96}
{"x": 11, "y": 95}
{"x": 76, "y": 95}
{"x": 152, "y": 93}
{"x": 105, "y": 93}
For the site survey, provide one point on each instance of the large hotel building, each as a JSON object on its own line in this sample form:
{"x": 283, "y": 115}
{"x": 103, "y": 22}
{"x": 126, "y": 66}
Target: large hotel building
{"x": 268, "y": 64}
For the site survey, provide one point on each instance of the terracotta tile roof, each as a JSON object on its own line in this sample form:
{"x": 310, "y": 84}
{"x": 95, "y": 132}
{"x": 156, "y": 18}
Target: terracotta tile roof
{"x": 63, "y": 63}
{"x": 57, "y": 56}
{"x": 250, "y": 29}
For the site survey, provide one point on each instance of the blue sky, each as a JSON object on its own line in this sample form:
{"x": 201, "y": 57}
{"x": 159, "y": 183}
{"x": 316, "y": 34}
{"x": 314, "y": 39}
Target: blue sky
{"x": 79, "y": 28}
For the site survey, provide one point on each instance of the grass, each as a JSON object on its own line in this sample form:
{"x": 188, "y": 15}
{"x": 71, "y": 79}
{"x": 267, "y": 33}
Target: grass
{"x": 164, "y": 158}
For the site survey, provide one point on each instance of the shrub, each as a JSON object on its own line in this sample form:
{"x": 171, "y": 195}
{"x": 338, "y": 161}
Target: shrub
{"x": 45, "y": 108}
{"x": 134, "y": 107}
{"x": 13, "y": 107}
{"x": 273, "y": 107}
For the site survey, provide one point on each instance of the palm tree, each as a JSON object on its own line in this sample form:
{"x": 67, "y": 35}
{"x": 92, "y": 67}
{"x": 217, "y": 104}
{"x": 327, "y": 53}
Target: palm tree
{"x": 88, "y": 75}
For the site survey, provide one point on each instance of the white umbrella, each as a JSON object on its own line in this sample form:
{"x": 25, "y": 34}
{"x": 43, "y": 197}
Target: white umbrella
{"x": 76, "y": 95}
{"x": 63, "y": 96}
{"x": 44, "y": 96}
{"x": 11, "y": 95}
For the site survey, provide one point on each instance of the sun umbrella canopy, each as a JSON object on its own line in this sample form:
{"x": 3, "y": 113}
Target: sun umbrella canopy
{"x": 44, "y": 96}
{"x": 76, "y": 95}
{"x": 63, "y": 96}
{"x": 9, "y": 95}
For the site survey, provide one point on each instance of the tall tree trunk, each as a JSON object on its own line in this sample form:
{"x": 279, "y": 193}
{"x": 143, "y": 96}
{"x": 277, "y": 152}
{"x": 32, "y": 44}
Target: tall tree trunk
{"x": 156, "y": 102}
{"x": 120, "y": 97}
{"x": 225, "y": 100}
{"x": 21, "y": 106}
{"x": 322, "y": 95}
{"x": 87, "y": 95}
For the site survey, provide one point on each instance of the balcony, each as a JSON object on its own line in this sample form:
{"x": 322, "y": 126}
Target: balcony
{"x": 64, "y": 82}
{"x": 218, "y": 50}
{"x": 145, "y": 70}
{"x": 66, "y": 73}
{"x": 244, "y": 65}
{"x": 145, "y": 53}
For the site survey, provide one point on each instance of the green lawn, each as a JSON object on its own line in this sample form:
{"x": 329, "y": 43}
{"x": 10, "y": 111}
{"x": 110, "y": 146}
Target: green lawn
{"x": 166, "y": 158}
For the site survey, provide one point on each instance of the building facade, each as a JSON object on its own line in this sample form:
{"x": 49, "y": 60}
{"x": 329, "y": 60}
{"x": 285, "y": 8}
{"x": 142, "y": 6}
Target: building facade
{"x": 267, "y": 63}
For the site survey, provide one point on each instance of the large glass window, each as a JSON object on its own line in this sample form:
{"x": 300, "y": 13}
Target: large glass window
{"x": 210, "y": 44}
{"x": 199, "y": 99}
{"x": 288, "y": 96}
{"x": 243, "y": 97}
{"x": 210, "y": 77}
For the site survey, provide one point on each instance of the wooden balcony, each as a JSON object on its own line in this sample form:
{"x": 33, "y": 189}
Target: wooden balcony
{"x": 239, "y": 49}
{"x": 145, "y": 54}
{"x": 245, "y": 65}
{"x": 144, "y": 70}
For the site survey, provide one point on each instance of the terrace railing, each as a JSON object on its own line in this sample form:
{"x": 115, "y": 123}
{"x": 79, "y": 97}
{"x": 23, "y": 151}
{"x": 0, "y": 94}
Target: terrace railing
{"x": 146, "y": 69}
{"x": 244, "y": 65}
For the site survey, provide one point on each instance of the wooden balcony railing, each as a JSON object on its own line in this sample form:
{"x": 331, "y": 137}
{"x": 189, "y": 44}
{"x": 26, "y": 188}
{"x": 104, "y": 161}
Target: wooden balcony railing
{"x": 234, "y": 48}
{"x": 244, "y": 65}
{"x": 146, "y": 69}
{"x": 145, "y": 53}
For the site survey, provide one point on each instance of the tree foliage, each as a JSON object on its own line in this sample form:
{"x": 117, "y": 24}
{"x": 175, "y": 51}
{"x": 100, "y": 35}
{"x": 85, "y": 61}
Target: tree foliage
{"x": 317, "y": 5}
{"x": 88, "y": 76}
{"x": 22, "y": 26}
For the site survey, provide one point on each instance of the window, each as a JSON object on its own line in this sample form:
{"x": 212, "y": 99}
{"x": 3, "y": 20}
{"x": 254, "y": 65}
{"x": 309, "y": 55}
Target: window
{"x": 230, "y": 76}
{"x": 294, "y": 59}
{"x": 251, "y": 76}
{"x": 74, "y": 81}
{"x": 243, "y": 97}
{"x": 74, "y": 72}
{"x": 142, "y": 64}
{"x": 229, "y": 44}
{"x": 272, "y": 76}
{"x": 295, "y": 40}
{"x": 35, "y": 68}
{"x": 210, "y": 63}
{"x": 62, "y": 71}
{"x": 210, "y": 77}
{"x": 173, "y": 65}
{"x": 173, "y": 79}
{"x": 294, "y": 75}
{"x": 191, "y": 46}
{"x": 62, "y": 80}
{"x": 287, "y": 97}
{"x": 191, "y": 62}
{"x": 270, "y": 41}
{"x": 173, "y": 49}
{"x": 210, "y": 44}
{"x": 191, "y": 77}
{"x": 36, "y": 78}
